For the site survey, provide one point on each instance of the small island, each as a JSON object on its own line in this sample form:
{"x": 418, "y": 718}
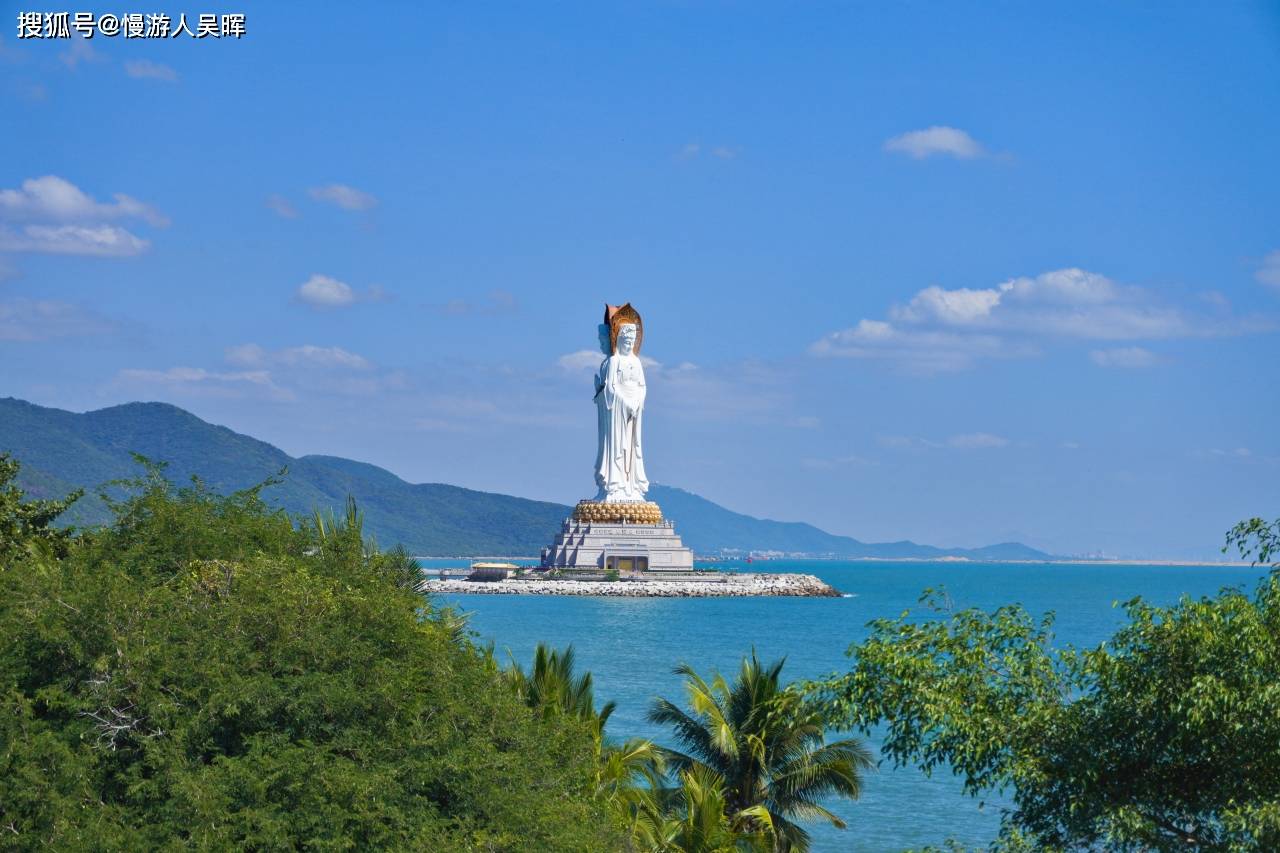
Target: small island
{"x": 690, "y": 585}
{"x": 618, "y": 543}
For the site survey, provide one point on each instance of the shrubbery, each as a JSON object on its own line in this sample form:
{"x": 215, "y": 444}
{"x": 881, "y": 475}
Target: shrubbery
{"x": 203, "y": 673}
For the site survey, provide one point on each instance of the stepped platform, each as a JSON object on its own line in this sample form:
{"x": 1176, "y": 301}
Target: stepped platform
{"x": 629, "y": 538}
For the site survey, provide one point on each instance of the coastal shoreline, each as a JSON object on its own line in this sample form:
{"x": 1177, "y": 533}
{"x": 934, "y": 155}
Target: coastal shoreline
{"x": 725, "y": 586}
{"x": 715, "y": 565}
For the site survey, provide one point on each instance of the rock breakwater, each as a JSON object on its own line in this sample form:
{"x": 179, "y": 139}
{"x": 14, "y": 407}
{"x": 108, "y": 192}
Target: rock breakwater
{"x": 731, "y": 586}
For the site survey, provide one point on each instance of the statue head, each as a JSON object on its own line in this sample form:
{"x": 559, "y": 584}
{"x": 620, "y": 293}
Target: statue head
{"x": 627, "y": 338}
{"x": 615, "y": 317}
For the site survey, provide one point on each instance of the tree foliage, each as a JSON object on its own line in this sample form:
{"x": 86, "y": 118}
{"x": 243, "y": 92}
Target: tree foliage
{"x": 628, "y": 773}
{"x": 764, "y": 746}
{"x": 1167, "y": 737}
{"x": 28, "y": 524}
{"x": 202, "y": 673}
{"x": 1255, "y": 540}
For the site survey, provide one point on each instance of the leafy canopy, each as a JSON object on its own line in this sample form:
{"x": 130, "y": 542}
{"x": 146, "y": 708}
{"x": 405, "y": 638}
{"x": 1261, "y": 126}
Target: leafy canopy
{"x": 765, "y": 745}
{"x": 28, "y": 524}
{"x": 202, "y": 673}
{"x": 1167, "y": 737}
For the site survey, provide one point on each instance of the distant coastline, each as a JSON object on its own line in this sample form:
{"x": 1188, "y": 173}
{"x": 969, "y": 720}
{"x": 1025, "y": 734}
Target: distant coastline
{"x": 712, "y": 563}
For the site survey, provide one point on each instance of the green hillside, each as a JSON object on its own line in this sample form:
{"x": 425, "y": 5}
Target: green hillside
{"x": 62, "y": 450}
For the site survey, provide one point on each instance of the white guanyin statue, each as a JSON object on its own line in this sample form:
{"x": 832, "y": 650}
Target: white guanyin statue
{"x": 620, "y": 393}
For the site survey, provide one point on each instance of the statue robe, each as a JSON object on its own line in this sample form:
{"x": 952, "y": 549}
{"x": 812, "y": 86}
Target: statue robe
{"x": 620, "y": 408}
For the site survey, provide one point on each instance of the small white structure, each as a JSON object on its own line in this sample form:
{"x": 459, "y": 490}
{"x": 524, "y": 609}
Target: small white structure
{"x": 481, "y": 571}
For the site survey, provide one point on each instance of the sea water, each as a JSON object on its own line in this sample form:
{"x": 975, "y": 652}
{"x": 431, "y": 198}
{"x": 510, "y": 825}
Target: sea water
{"x": 630, "y": 646}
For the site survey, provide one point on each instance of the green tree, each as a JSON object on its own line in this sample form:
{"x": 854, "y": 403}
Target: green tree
{"x": 767, "y": 745}
{"x": 1166, "y": 737}
{"x": 203, "y": 674}
{"x": 554, "y": 688}
{"x": 1256, "y": 540}
{"x": 25, "y": 524}
{"x": 628, "y": 774}
{"x": 696, "y": 819}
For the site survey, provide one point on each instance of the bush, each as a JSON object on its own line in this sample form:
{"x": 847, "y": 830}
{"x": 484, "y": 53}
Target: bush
{"x": 1166, "y": 737}
{"x": 202, "y": 673}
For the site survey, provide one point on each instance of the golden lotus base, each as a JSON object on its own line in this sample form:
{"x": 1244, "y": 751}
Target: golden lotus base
{"x": 616, "y": 513}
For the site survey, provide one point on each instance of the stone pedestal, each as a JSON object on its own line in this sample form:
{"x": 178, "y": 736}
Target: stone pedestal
{"x": 628, "y": 537}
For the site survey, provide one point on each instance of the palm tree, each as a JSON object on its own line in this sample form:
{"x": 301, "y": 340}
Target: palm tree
{"x": 695, "y": 820}
{"x": 629, "y": 778}
{"x": 628, "y": 775}
{"x": 553, "y": 688}
{"x": 768, "y": 746}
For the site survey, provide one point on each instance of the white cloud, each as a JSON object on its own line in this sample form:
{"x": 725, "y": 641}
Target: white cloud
{"x": 196, "y": 381}
{"x": 940, "y": 329}
{"x": 652, "y": 364}
{"x": 308, "y": 355}
{"x": 81, "y": 50}
{"x": 1070, "y": 286}
{"x": 41, "y": 319}
{"x": 977, "y": 441}
{"x": 692, "y": 150}
{"x": 915, "y": 351}
{"x": 314, "y": 356}
{"x": 52, "y": 197}
{"x": 955, "y": 307}
{"x": 1129, "y": 357}
{"x": 325, "y": 292}
{"x": 1070, "y": 302}
{"x": 145, "y": 69}
{"x": 689, "y": 150}
{"x": 964, "y": 441}
{"x": 246, "y": 355}
{"x": 345, "y": 197}
{"x": 322, "y": 291}
{"x": 905, "y": 442}
{"x": 1269, "y": 272}
{"x": 288, "y": 374}
{"x": 100, "y": 240}
{"x": 281, "y": 206}
{"x": 581, "y": 361}
{"x": 936, "y": 140}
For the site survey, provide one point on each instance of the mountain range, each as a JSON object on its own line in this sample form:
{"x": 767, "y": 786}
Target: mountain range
{"x": 61, "y": 450}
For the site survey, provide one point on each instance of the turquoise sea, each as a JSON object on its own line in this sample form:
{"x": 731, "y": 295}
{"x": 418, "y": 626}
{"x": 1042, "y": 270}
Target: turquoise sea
{"x": 631, "y": 645}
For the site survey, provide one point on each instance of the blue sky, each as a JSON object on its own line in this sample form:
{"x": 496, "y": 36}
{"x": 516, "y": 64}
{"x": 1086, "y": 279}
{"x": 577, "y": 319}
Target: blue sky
{"x": 955, "y": 273}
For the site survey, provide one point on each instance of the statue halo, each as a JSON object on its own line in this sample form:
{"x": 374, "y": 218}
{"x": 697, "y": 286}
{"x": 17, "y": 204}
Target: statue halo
{"x": 615, "y": 317}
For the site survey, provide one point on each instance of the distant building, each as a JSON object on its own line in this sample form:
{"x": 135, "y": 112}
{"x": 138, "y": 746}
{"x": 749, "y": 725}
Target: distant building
{"x": 481, "y": 571}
